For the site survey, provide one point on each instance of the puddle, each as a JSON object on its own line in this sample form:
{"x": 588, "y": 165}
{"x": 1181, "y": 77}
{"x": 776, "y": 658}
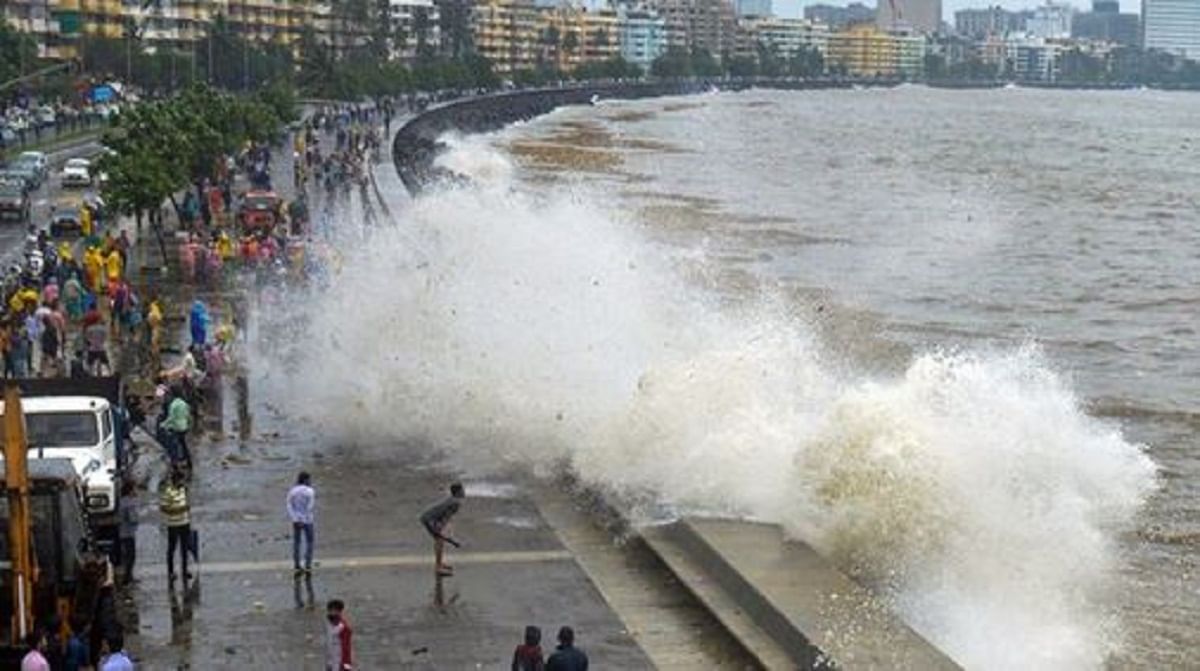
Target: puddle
{"x": 491, "y": 490}
{"x": 517, "y": 522}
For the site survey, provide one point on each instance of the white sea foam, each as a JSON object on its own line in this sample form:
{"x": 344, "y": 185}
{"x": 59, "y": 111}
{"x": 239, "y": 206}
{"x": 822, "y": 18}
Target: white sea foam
{"x": 973, "y": 489}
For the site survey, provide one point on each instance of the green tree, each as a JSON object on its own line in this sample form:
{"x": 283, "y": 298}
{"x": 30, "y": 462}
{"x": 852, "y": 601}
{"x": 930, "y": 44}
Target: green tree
{"x": 674, "y": 63}
{"x": 570, "y": 43}
{"x": 18, "y": 53}
{"x": 703, "y": 63}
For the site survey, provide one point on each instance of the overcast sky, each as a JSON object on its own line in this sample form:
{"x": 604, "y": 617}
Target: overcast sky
{"x": 795, "y": 8}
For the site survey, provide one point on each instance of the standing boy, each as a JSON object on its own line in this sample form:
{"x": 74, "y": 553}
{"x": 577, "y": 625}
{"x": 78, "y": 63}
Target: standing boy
{"x": 338, "y": 652}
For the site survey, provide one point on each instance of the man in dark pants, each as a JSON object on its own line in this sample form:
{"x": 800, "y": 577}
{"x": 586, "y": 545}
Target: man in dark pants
{"x": 176, "y": 510}
{"x": 127, "y": 524}
{"x": 567, "y": 657}
{"x": 436, "y": 521}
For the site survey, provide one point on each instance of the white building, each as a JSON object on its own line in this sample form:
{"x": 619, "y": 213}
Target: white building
{"x": 417, "y": 21}
{"x": 1033, "y": 59}
{"x": 753, "y": 7}
{"x": 1050, "y": 21}
{"x": 642, "y": 35}
{"x": 788, "y": 36}
{"x": 1172, "y": 25}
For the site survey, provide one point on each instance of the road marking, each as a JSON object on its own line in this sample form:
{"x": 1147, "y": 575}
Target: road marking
{"x": 394, "y": 561}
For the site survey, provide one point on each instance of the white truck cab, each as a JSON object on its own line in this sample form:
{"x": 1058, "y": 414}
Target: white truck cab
{"x": 79, "y": 428}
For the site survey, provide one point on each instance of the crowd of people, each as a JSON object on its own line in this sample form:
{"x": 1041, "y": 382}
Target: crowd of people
{"x": 66, "y": 303}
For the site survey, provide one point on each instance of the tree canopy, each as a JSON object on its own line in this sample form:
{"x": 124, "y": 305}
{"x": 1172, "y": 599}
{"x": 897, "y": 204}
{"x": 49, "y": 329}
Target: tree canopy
{"x": 161, "y": 147}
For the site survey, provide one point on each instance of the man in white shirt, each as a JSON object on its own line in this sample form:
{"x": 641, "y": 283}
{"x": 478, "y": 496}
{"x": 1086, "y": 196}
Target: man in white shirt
{"x": 301, "y": 504}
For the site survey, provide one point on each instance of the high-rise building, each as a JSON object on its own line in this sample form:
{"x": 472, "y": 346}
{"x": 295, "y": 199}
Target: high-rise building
{"x": 1051, "y": 21}
{"x": 416, "y": 25}
{"x": 980, "y": 23}
{"x": 642, "y": 34}
{"x": 785, "y": 36}
{"x": 754, "y": 8}
{"x": 924, "y": 16}
{"x": 1106, "y": 23}
{"x": 839, "y": 17}
{"x": 699, "y": 24}
{"x": 1173, "y": 26}
{"x": 58, "y": 26}
{"x": 866, "y": 51}
{"x": 506, "y": 33}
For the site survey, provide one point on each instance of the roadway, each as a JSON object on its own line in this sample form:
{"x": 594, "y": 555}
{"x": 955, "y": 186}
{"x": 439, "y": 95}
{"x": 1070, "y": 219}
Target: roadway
{"x": 12, "y": 235}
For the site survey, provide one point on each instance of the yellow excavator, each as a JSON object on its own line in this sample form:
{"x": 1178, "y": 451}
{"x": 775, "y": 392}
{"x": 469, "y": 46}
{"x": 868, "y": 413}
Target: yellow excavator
{"x": 51, "y": 572}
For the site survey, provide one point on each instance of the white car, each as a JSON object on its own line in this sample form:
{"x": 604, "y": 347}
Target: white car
{"x": 79, "y": 428}
{"x": 77, "y": 172}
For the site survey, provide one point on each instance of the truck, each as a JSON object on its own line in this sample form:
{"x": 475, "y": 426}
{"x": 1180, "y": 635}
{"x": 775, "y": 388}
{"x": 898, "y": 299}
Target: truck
{"x": 82, "y": 420}
{"x": 51, "y": 568}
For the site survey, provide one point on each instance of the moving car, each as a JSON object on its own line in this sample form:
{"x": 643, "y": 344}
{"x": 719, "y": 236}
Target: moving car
{"x": 38, "y": 160}
{"x": 260, "y": 210}
{"x": 14, "y": 201}
{"x": 65, "y": 222}
{"x": 77, "y": 172}
{"x": 25, "y": 175}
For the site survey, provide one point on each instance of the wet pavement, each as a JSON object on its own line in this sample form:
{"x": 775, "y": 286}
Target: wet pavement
{"x": 246, "y": 608}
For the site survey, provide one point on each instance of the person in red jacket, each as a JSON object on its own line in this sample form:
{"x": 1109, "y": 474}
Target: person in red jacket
{"x": 528, "y": 657}
{"x": 338, "y": 651}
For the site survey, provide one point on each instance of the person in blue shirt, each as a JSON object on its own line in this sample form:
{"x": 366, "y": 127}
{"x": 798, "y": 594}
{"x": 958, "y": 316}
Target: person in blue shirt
{"x": 78, "y": 655}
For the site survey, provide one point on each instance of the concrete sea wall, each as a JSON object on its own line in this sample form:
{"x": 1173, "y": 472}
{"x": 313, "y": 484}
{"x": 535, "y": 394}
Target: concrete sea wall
{"x": 416, "y": 144}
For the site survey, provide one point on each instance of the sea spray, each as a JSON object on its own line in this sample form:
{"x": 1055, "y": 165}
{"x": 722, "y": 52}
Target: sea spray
{"x": 972, "y": 489}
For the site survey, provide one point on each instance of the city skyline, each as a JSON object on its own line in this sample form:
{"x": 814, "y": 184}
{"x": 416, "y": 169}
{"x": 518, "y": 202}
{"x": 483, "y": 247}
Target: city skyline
{"x": 795, "y": 8}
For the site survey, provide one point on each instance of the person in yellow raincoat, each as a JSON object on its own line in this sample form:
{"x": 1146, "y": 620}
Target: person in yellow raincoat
{"x": 225, "y": 247}
{"x": 65, "y": 253}
{"x": 154, "y": 318}
{"x": 93, "y": 269}
{"x": 85, "y": 221}
{"x": 114, "y": 265}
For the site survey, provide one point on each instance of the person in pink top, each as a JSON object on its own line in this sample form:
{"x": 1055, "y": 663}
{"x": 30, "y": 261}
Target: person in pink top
{"x": 35, "y": 659}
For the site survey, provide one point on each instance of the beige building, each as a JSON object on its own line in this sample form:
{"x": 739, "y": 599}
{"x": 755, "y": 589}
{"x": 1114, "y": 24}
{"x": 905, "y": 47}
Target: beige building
{"x": 506, "y": 33}
{"x": 865, "y": 51}
{"x": 785, "y": 36}
{"x": 705, "y": 24}
{"x": 59, "y": 25}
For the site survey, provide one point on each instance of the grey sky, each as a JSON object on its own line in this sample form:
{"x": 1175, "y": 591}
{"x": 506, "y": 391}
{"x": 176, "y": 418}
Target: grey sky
{"x": 795, "y": 8}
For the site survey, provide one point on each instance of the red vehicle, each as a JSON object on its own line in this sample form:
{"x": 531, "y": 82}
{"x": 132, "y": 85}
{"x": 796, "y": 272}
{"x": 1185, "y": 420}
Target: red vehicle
{"x": 260, "y": 210}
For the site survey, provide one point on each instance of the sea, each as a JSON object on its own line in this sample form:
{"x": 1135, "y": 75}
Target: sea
{"x": 949, "y": 338}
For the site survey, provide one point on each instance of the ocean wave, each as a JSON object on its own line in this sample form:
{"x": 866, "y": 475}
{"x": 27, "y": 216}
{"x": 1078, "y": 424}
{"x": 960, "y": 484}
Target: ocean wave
{"x": 972, "y": 488}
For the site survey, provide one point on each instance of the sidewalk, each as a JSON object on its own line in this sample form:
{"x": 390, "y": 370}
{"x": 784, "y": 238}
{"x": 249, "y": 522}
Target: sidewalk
{"x": 371, "y": 552}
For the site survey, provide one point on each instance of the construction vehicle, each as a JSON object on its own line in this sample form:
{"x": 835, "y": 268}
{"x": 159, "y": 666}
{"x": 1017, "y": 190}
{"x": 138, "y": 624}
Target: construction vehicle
{"x": 51, "y": 571}
{"x": 83, "y": 420}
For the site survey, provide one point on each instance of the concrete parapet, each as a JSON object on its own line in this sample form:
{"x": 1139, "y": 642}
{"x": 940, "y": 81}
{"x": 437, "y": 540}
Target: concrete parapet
{"x": 784, "y": 599}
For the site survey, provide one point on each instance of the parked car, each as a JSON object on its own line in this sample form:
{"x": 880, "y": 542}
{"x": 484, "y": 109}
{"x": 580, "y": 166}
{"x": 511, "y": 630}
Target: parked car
{"x": 14, "y": 202}
{"x": 77, "y": 172}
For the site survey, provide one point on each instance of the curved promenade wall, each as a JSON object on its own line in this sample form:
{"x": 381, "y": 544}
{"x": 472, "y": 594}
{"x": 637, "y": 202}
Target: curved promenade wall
{"x": 416, "y": 144}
